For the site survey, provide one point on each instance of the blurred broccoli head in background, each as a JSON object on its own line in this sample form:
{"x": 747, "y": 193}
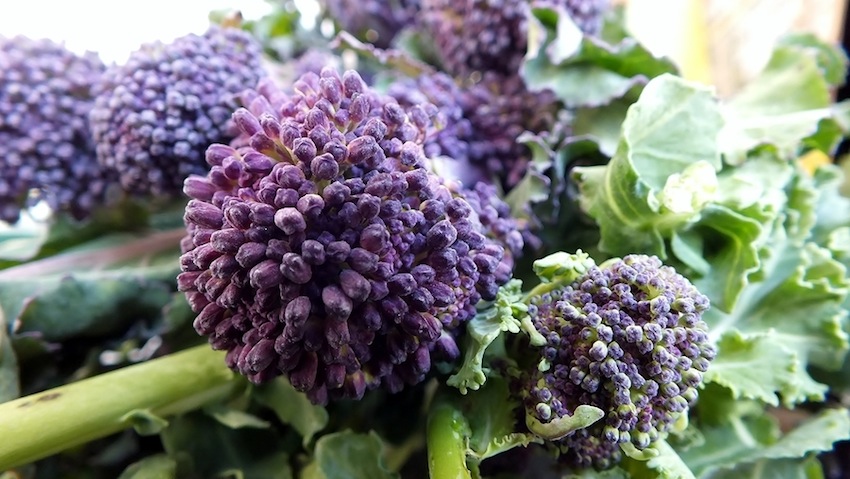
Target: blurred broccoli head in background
{"x": 156, "y": 114}
{"x": 45, "y": 96}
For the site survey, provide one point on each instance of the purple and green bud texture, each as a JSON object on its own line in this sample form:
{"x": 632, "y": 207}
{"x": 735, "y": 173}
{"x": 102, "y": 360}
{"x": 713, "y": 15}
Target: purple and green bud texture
{"x": 477, "y": 126}
{"x": 156, "y": 114}
{"x": 492, "y": 35}
{"x": 321, "y": 247}
{"x": 626, "y": 337}
{"x": 45, "y": 98}
{"x": 374, "y": 21}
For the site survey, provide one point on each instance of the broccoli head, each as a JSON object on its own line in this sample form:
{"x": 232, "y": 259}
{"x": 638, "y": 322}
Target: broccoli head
{"x": 625, "y": 337}
{"x": 322, "y": 248}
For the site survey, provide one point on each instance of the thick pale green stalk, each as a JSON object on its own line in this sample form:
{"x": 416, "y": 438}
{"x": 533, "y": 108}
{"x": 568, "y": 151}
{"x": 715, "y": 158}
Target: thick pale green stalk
{"x": 446, "y": 444}
{"x": 39, "y": 425}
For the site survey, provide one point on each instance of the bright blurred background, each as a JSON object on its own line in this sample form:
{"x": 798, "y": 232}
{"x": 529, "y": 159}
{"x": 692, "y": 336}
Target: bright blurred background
{"x": 722, "y": 42}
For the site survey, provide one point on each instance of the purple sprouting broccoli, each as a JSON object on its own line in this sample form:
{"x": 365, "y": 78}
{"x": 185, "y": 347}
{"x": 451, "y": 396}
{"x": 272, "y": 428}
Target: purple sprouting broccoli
{"x": 491, "y": 35}
{"x": 45, "y": 97}
{"x": 156, "y": 114}
{"x": 375, "y": 21}
{"x": 321, "y": 248}
{"x": 478, "y": 125}
{"x": 625, "y": 337}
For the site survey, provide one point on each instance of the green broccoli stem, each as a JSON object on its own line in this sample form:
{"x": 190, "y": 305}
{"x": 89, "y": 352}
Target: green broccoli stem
{"x": 446, "y": 444}
{"x": 51, "y": 421}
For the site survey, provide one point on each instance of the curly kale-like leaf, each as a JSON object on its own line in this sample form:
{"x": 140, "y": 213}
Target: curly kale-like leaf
{"x": 584, "y": 71}
{"x": 786, "y": 103}
{"x": 349, "y": 455}
{"x": 506, "y": 314}
{"x": 751, "y": 440}
{"x": 656, "y": 183}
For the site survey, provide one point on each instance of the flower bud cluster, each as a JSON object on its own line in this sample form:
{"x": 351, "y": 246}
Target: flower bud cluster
{"x": 45, "y": 97}
{"x": 375, "y": 21}
{"x": 321, "y": 248}
{"x": 491, "y": 35}
{"x": 627, "y": 338}
{"x": 478, "y": 126}
{"x": 156, "y": 114}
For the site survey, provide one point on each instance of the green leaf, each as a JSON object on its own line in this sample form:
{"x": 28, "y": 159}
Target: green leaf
{"x": 781, "y": 107}
{"x": 583, "y": 416}
{"x": 159, "y": 466}
{"x": 668, "y": 463}
{"x": 234, "y": 418}
{"x": 85, "y": 304}
{"x": 831, "y": 59}
{"x": 348, "y": 455}
{"x": 603, "y": 124}
{"x": 656, "y": 183}
{"x": 808, "y": 468}
{"x": 215, "y": 450}
{"x": 22, "y": 241}
{"x": 754, "y": 439}
{"x": 292, "y": 407}
{"x": 752, "y": 367}
{"x": 506, "y": 314}
{"x": 490, "y": 413}
{"x": 583, "y": 71}
{"x": 145, "y": 422}
{"x": 96, "y": 289}
{"x": 9, "y": 374}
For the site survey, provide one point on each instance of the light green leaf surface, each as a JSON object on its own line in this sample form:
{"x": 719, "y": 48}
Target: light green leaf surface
{"x": 292, "y": 407}
{"x": 632, "y": 198}
{"x": 348, "y": 455}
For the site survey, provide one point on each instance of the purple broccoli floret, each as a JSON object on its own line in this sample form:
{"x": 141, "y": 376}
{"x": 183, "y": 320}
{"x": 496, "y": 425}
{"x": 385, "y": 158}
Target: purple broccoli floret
{"x": 491, "y": 35}
{"x": 478, "y": 125}
{"x": 45, "y": 97}
{"x": 627, "y": 337}
{"x": 321, "y": 247}
{"x": 375, "y": 21}
{"x": 156, "y": 114}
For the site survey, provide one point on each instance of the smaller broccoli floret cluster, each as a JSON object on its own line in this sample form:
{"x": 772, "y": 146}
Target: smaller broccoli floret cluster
{"x": 491, "y": 35}
{"x": 478, "y": 126}
{"x": 375, "y": 21}
{"x": 156, "y": 114}
{"x": 45, "y": 97}
{"x": 321, "y": 248}
{"x": 626, "y": 337}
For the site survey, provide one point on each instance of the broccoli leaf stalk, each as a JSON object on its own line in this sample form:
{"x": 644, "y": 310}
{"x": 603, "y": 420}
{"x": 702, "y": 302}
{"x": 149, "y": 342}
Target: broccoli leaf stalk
{"x": 51, "y": 421}
{"x": 447, "y": 436}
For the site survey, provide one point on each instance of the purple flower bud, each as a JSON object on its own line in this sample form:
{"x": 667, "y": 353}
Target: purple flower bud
{"x": 337, "y": 304}
{"x": 335, "y": 194}
{"x": 216, "y": 153}
{"x": 297, "y": 311}
{"x": 337, "y": 333}
{"x": 208, "y": 319}
{"x": 227, "y": 240}
{"x": 295, "y": 269}
{"x": 265, "y": 275}
{"x": 374, "y": 238}
{"x": 303, "y": 377}
{"x": 394, "y": 307}
{"x": 363, "y": 261}
{"x": 401, "y": 284}
{"x": 443, "y": 295}
{"x": 289, "y": 220}
{"x": 198, "y": 188}
{"x": 355, "y": 285}
{"x": 324, "y": 167}
{"x": 337, "y": 251}
{"x": 443, "y": 260}
{"x": 203, "y": 214}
